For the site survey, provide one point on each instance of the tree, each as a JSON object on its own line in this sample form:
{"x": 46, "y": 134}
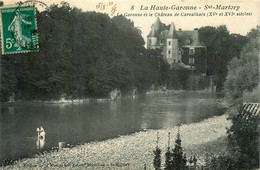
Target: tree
{"x": 157, "y": 159}
{"x": 221, "y": 48}
{"x": 237, "y": 42}
{"x": 82, "y": 54}
{"x": 123, "y": 76}
{"x": 254, "y": 32}
{"x": 8, "y": 78}
{"x": 243, "y": 76}
{"x": 127, "y": 35}
{"x": 168, "y": 158}
{"x": 243, "y": 72}
{"x": 157, "y": 155}
{"x": 168, "y": 155}
{"x": 178, "y": 158}
{"x": 149, "y": 69}
{"x": 101, "y": 81}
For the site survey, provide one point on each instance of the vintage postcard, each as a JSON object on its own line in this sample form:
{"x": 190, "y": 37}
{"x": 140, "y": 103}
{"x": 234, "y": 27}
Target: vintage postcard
{"x": 120, "y": 84}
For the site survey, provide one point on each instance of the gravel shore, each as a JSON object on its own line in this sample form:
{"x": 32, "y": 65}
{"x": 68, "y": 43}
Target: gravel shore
{"x": 135, "y": 150}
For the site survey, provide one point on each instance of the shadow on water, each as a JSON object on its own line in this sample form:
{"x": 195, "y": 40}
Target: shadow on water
{"x": 86, "y": 122}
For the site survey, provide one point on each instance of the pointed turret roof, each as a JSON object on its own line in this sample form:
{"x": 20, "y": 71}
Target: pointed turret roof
{"x": 172, "y": 32}
{"x": 156, "y": 28}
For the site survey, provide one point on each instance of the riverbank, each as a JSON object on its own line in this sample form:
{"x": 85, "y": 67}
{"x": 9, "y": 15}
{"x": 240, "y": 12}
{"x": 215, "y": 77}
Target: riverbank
{"x": 60, "y": 101}
{"x": 101, "y": 100}
{"x": 168, "y": 91}
{"x": 135, "y": 150}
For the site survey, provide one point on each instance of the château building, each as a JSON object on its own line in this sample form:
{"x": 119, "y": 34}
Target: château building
{"x": 181, "y": 49}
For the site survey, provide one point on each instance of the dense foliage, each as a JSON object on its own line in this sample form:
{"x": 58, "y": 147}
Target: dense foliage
{"x": 89, "y": 54}
{"x": 243, "y": 136}
{"x": 244, "y": 140}
{"x": 82, "y": 54}
{"x": 243, "y": 72}
{"x": 221, "y": 48}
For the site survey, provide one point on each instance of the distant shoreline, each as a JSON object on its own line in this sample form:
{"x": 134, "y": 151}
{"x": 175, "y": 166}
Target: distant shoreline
{"x": 135, "y": 150}
{"x": 87, "y": 100}
{"x": 61, "y": 101}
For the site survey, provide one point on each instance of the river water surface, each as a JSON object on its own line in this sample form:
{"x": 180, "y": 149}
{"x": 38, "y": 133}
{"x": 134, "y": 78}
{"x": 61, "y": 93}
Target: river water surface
{"x": 94, "y": 121}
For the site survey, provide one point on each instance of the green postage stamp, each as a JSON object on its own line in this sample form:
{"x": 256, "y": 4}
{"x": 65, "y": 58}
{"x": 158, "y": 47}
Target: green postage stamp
{"x": 18, "y": 29}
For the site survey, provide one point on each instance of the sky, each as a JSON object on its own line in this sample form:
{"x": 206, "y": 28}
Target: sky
{"x": 235, "y": 24}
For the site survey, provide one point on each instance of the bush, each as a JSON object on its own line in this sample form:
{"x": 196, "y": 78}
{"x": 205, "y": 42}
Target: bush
{"x": 252, "y": 96}
{"x": 243, "y": 137}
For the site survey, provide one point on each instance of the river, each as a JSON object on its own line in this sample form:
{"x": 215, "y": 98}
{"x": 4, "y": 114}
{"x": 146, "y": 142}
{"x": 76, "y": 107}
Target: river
{"x": 95, "y": 121}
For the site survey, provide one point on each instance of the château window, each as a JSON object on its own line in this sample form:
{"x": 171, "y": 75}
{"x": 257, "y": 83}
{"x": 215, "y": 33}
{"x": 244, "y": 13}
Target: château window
{"x": 179, "y": 61}
{"x": 169, "y": 43}
{"x": 174, "y": 61}
{"x": 191, "y": 60}
{"x": 191, "y": 51}
{"x": 169, "y": 54}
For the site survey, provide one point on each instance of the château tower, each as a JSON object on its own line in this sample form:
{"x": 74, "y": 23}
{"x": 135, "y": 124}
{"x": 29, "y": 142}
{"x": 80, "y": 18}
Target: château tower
{"x": 153, "y": 36}
{"x": 173, "y": 54}
{"x": 180, "y": 48}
